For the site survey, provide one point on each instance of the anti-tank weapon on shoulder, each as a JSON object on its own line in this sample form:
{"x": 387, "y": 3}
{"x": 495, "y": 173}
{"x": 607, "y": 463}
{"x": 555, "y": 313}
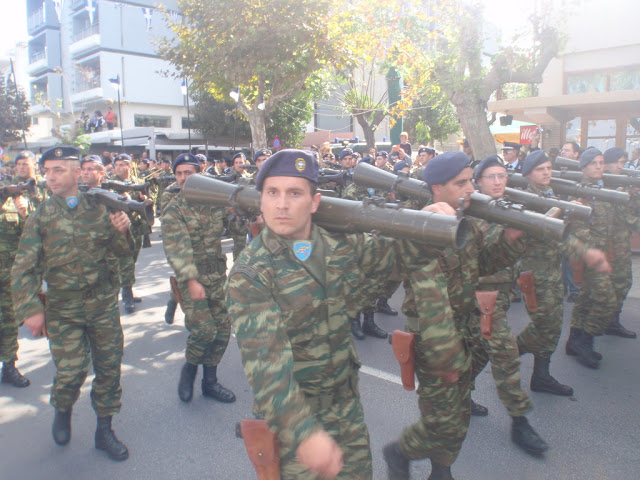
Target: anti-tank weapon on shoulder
{"x": 569, "y": 164}
{"x": 125, "y": 187}
{"x": 609, "y": 180}
{"x": 543, "y": 204}
{"x": 500, "y": 211}
{"x": 18, "y": 189}
{"x": 339, "y": 177}
{"x": 337, "y": 214}
{"x": 119, "y": 203}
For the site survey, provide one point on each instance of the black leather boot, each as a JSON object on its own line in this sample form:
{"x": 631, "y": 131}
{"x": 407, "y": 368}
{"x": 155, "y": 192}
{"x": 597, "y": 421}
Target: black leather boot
{"x": 526, "y": 437}
{"x": 580, "y": 344}
{"x": 127, "y": 298}
{"x": 11, "y": 375}
{"x": 61, "y": 429}
{"x": 616, "y": 328}
{"x": 146, "y": 241}
{"x": 397, "y": 463}
{"x": 211, "y": 388}
{"x": 574, "y": 344}
{"x": 370, "y": 328}
{"x": 382, "y": 306}
{"x": 542, "y": 381}
{"x": 107, "y": 441}
{"x": 440, "y": 472}
{"x": 356, "y": 329}
{"x": 170, "y": 312}
{"x": 185, "y": 385}
{"x": 478, "y": 410}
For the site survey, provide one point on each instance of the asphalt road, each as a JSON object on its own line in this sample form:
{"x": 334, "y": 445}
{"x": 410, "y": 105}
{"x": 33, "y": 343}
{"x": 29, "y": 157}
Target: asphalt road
{"x": 594, "y": 435}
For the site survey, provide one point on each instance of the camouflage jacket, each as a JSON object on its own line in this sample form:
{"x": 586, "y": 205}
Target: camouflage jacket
{"x": 504, "y": 279}
{"x": 11, "y": 224}
{"x": 291, "y": 320}
{"x": 139, "y": 225}
{"x": 626, "y": 220}
{"x": 543, "y": 256}
{"x": 192, "y": 235}
{"x": 69, "y": 249}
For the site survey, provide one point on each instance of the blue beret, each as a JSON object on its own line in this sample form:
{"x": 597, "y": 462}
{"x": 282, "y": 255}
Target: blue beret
{"x": 345, "y": 152}
{"x": 201, "y": 158}
{"x": 444, "y": 167}
{"x": 612, "y": 155}
{"x": 382, "y": 153}
{"x": 25, "y": 154}
{"x": 399, "y": 166}
{"x": 535, "y": 158}
{"x": 92, "y": 159}
{"x": 123, "y": 157}
{"x": 289, "y": 163}
{"x": 64, "y": 152}
{"x": 186, "y": 159}
{"x": 511, "y": 146}
{"x": 263, "y": 152}
{"x": 588, "y": 156}
{"x": 430, "y": 151}
{"x": 367, "y": 159}
{"x": 165, "y": 160}
{"x": 490, "y": 161}
{"x": 239, "y": 155}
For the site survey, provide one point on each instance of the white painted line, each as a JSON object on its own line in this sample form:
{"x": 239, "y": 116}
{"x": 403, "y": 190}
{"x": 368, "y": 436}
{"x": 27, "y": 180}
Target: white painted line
{"x": 374, "y": 372}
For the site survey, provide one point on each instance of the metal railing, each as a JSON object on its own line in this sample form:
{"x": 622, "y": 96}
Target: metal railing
{"x": 87, "y": 32}
{"x": 35, "y": 20}
{"x": 83, "y": 84}
{"x": 41, "y": 55}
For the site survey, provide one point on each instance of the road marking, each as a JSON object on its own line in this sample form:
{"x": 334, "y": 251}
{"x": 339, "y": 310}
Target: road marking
{"x": 374, "y": 372}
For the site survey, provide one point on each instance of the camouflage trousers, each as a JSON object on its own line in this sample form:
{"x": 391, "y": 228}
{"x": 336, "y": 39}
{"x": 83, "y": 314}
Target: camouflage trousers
{"x": 238, "y": 233}
{"x": 81, "y": 332}
{"x": 208, "y": 324}
{"x": 390, "y": 287}
{"x": 596, "y": 303}
{"x": 127, "y": 264}
{"x": 445, "y": 410}
{"x": 621, "y": 278}
{"x": 542, "y": 333}
{"x": 502, "y": 351}
{"x": 343, "y": 420}
{"x": 8, "y": 321}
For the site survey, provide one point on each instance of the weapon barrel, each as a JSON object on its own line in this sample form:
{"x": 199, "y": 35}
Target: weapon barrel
{"x": 516, "y": 216}
{"x": 119, "y": 203}
{"x": 609, "y": 180}
{"x": 562, "y": 186}
{"x": 18, "y": 189}
{"x": 339, "y": 177}
{"x": 249, "y": 168}
{"x": 165, "y": 179}
{"x": 338, "y": 214}
{"x": 369, "y": 176}
{"x": 123, "y": 187}
{"x": 543, "y": 204}
{"x": 562, "y": 162}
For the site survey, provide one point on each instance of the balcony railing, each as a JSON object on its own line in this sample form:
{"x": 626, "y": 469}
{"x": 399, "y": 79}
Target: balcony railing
{"x": 41, "y": 55}
{"x": 35, "y": 20}
{"x": 83, "y": 85}
{"x": 87, "y": 32}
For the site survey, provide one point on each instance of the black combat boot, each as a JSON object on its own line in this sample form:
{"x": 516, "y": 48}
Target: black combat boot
{"x": 211, "y": 388}
{"x": 580, "y": 344}
{"x": 616, "y": 328}
{"x": 526, "y": 437}
{"x": 478, "y": 410}
{"x": 397, "y": 463}
{"x": 356, "y": 329}
{"x": 61, "y": 429}
{"x": 170, "y": 312}
{"x": 574, "y": 344}
{"x": 440, "y": 472}
{"x": 382, "y": 306}
{"x": 107, "y": 441}
{"x": 11, "y": 375}
{"x": 542, "y": 381}
{"x": 127, "y": 298}
{"x": 370, "y": 328}
{"x": 185, "y": 385}
{"x": 146, "y": 241}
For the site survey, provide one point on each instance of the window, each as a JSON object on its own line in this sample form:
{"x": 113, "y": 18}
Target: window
{"x": 586, "y": 83}
{"x": 572, "y": 133}
{"x": 601, "y": 134}
{"x": 627, "y": 80}
{"x": 151, "y": 121}
{"x": 187, "y": 123}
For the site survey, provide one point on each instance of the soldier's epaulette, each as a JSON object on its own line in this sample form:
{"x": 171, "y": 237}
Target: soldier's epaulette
{"x": 246, "y": 270}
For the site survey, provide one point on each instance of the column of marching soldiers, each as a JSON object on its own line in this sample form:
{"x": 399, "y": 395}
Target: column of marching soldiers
{"x": 68, "y": 250}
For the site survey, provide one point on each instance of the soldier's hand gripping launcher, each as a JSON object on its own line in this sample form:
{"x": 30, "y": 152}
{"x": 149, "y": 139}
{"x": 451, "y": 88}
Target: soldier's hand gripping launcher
{"x": 119, "y": 203}
{"x": 337, "y": 214}
{"x": 18, "y": 189}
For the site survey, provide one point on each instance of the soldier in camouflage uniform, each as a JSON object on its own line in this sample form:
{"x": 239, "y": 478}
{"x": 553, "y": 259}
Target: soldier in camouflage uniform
{"x": 66, "y": 243}
{"x": 161, "y": 185}
{"x": 295, "y": 344}
{"x": 139, "y": 228}
{"x": 192, "y": 242}
{"x": 598, "y": 300}
{"x": 425, "y": 154}
{"x": 13, "y": 216}
{"x": 540, "y": 337}
{"x": 238, "y": 226}
{"x": 626, "y": 221}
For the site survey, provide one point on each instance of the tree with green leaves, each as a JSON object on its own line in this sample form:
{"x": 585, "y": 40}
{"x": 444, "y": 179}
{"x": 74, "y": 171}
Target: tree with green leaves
{"x": 266, "y": 49}
{"x": 14, "y": 119}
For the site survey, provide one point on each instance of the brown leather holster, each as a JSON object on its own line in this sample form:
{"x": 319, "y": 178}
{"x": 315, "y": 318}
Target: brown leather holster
{"x": 528, "y": 288}
{"x": 578, "y": 271}
{"x": 262, "y": 447}
{"x": 176, "y": 291}
{"x": 487, "y": 305}
{"x": 403, "y": 344}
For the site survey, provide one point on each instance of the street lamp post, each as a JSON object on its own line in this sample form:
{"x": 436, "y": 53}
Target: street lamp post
{"x": 115, "y": 83}
{"x": 236, "y": 96}
{"x": 185, "y": 91}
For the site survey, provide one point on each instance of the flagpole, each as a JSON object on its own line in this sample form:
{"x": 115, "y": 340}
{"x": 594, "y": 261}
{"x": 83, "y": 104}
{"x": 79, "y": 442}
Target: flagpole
{"x": 15, "y": 87}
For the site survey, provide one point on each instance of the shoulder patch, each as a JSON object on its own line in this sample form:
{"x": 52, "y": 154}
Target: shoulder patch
{"x": 246, "y": 270}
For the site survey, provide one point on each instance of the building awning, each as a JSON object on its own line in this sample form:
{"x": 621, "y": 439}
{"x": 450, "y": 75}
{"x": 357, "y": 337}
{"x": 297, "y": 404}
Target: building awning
{"x": 507, "y": 133}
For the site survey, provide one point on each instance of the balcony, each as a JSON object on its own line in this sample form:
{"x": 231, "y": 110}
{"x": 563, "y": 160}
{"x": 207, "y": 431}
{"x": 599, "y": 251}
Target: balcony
{"x": 87, "y": 90}
{"x": 35, "y": 21}
{"x": 37, "y": 63}
{"x": 86, "y": 39}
